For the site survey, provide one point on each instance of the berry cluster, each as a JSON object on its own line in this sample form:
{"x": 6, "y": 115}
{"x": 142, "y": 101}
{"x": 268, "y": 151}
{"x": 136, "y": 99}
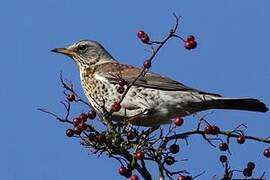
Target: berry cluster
{"x": 211, "y": 129}
{"x": 99, "y": 138}
{"x": 247, "y": 172}
{"x": 126, "y": 172}
{"x": 80, "y": 123}
{"x": 121, "y": 86}
{"x": 168, "y": 159}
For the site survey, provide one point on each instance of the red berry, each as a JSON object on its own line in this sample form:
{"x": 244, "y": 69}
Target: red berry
{"x": 215, "y": 130}
{"x": 71, "y": 97}
{"x": 174, "y": 148}
{"x": 77, "y": 130}
{"x": 247, "y": 172}
{"x": 120, "y": 89}
{"x": 77, "y": 121}
{"x": 116, "y": 107}
{"x": 223, "y": 146}
{"x": 143, "y": 37}
{"x": 121, "y": 82}
{"x": 208, "y": 129}
{"x": 69, "y": 132}
{"x": 223, "y": 158}
{"x": 181, "y": 177}
{"x": 190, "y": 38}
{"x": 178, "y": 121}
{"x": 134, "y": 177}
{"x": 193, "y": 44}
{"x": 141, "y": 34}
{"x": 83, "y": 117}
{"x": 123, "y": 171}
{"x": 147, "y": 64}
{"x": 139, "y": 155}
{"x": 131, "y": 135}
{"x": 266, "y": 152}
{"x": 251, "y": 165}
{"x": 92, "y": 114}
{"x": 82, "y": 127}
{"x": 241, "y": 139}
{"x": 188, "y": 45}
{"x": 169, "y": 160}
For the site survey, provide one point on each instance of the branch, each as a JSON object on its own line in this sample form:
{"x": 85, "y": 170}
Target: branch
{"x": 54, "y": 115}
{"x": 224, "y": 133}
{"x": 161, "y": 44}
{"x": 70, "y": 88}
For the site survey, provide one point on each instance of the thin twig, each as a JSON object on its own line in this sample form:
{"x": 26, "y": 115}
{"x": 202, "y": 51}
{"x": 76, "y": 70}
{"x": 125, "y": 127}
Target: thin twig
{"x": 169, "y": 36}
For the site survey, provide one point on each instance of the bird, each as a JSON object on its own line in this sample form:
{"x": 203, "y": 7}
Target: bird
{"x": 152, "y": 100}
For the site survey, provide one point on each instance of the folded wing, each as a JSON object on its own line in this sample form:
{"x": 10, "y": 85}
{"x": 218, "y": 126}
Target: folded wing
{"x": 151, "y": 80}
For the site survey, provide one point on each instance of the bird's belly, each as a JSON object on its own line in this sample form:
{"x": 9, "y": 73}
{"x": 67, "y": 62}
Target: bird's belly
{"x": 151, "y": 107}
{"x": 141, "y": 106}
{"x": 160, "y": 106}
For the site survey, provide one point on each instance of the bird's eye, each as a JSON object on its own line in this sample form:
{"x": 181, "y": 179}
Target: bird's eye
{"x": 82, "y": 47}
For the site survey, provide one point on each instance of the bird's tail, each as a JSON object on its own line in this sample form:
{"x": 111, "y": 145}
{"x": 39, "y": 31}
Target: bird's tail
{"x": 246, "y": 104}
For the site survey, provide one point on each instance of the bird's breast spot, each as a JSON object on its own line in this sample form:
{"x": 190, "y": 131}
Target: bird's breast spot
{"x": 132, "y": 94}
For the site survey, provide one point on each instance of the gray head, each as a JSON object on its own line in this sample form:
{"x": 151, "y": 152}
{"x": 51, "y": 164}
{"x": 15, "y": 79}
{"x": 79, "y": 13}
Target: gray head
{"x": 86, "y": 53}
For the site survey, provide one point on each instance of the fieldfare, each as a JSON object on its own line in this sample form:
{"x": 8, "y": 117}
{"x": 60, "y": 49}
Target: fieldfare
{"x": 153, "y": 99}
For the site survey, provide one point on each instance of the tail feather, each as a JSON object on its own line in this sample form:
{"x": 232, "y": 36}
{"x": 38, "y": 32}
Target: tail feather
{"x": 246, "y": 104}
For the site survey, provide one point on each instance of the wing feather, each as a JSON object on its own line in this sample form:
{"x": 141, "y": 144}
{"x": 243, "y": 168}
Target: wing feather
{"x": 149, "y": 80}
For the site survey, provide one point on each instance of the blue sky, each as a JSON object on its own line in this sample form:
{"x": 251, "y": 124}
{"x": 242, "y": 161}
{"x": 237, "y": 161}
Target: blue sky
{"x": 232, "y": 59}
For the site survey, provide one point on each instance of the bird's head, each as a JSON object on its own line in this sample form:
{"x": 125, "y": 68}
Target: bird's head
{"x": 86, "y": 53}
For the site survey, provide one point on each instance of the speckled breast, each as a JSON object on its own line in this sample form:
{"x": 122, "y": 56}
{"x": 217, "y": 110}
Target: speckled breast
{"x": 99, "y": 93}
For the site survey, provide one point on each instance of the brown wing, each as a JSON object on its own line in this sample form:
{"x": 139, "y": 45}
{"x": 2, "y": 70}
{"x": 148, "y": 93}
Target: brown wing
{"x": 150, "y": 80}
